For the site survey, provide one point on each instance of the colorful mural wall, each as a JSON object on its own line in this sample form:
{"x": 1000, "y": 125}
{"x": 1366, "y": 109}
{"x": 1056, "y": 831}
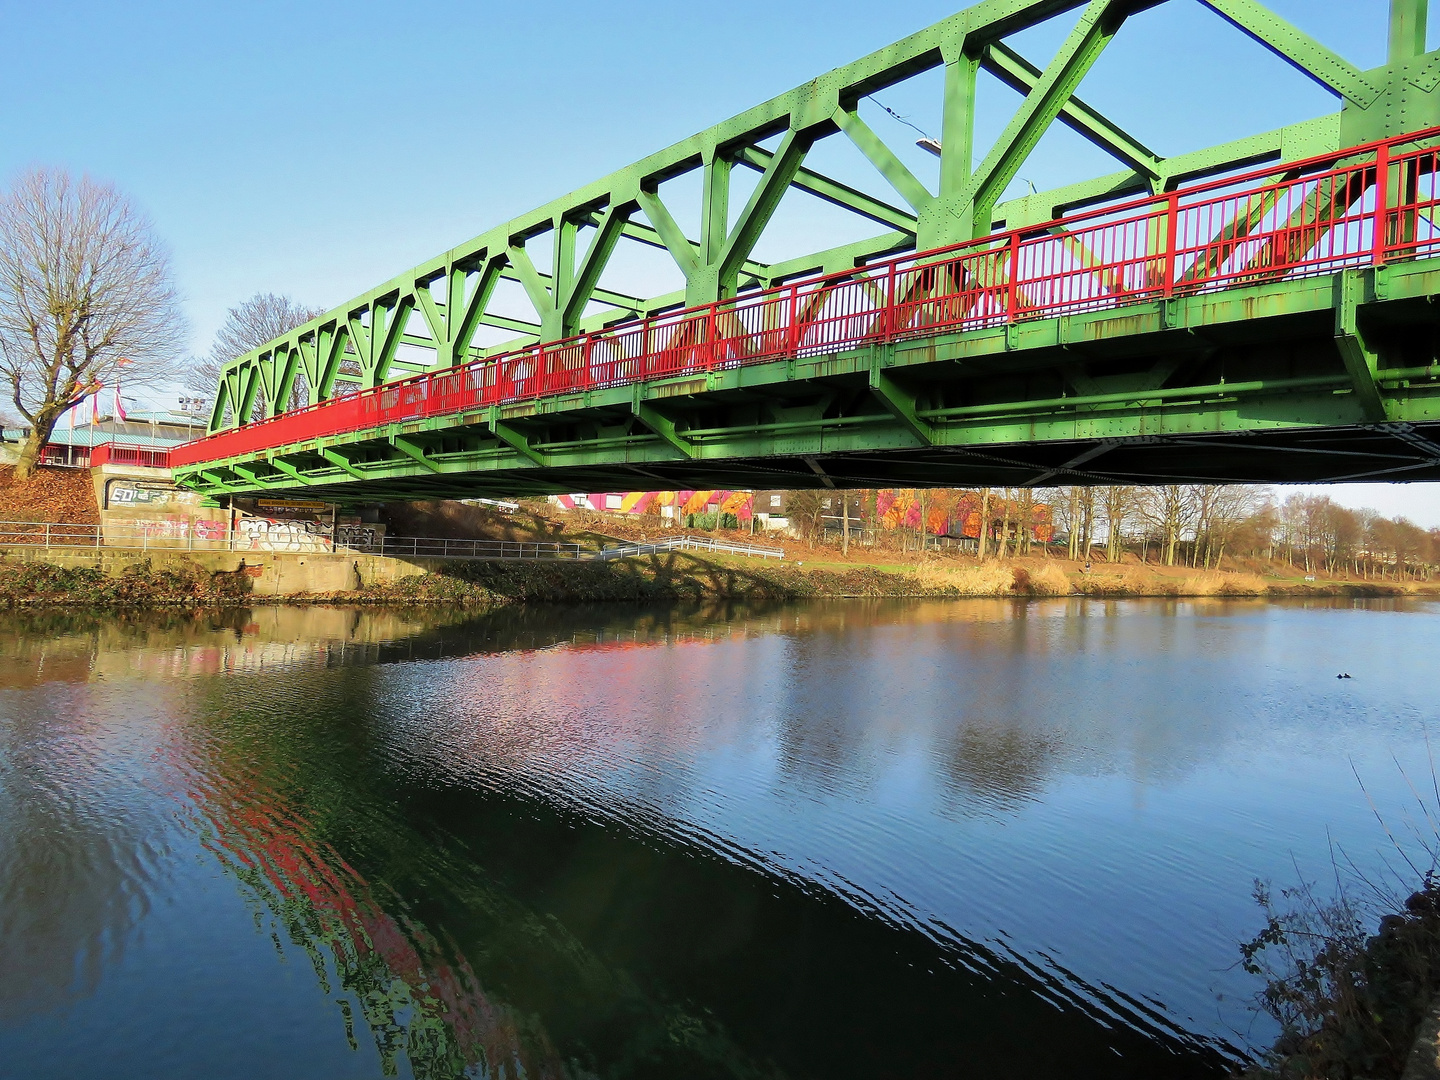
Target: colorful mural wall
{"x": 952, "y": 512}
{"x": 948, "y": 511}
{"x": 739, "y": 503}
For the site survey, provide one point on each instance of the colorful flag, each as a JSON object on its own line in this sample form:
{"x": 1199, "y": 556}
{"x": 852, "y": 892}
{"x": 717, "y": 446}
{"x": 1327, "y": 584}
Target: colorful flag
{"x": 119, "y": 405}
{"x": 95, "y": 404}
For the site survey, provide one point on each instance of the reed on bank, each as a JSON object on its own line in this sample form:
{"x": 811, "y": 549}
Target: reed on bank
{"x": 1352, "y": 977}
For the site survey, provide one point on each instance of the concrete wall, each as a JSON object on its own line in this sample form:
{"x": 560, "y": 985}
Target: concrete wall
{"x": 273, "y": 573}
{"x": 140, "y": 506}
{"x": 137, "y": 502}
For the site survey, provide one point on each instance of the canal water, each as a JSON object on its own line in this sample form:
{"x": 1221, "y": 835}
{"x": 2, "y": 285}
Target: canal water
{"x": 858, "y": 839}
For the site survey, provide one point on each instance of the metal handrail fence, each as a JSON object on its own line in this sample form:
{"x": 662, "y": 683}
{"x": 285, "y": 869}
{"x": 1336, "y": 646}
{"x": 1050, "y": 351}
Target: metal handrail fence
{"x": 138, "y": 536}
{"x": 1357, "y": 207}
{"x": 688, "y": 543}
{"x": 192, "y": 536}
{"x": 130, "y": 454}
{"x": 442, "y": 548}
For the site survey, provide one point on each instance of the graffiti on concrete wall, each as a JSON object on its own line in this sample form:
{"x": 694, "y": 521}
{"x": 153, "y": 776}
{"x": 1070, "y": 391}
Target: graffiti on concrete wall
{"x": 357, "y": 535}
{"x": 304, "y": 534}
{"x": 171, "y": 527}
{"x": 283, "y": 534}
{"x": 126, "y": 493}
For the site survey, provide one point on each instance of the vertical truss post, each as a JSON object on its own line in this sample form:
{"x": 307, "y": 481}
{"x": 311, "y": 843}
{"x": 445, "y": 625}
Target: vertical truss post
{"x": 456, "y": 348}
{"x": 331, "y": 351}
{"x": 487, "y": 273}
{"x": 1382, "y": 202}
{"x": 562, "y": 278}
{"x": 282, "y": 378}
{"x": 1407, "y": 29}
{"x": 714, "y": 206}
{"x": 585, "y": 276}
{"x": 943, "y": 221}
{"x": 761, "y": 207}
{"x": 387, "y": 323}
{"x": 249, "y": 379}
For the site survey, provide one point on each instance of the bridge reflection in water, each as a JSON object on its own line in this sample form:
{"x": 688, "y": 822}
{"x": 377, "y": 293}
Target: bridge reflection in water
{"x": 626, "y": 841}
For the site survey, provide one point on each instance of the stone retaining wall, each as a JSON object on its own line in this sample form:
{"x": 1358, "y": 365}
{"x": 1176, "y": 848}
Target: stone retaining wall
{"x": 273, "y": 573}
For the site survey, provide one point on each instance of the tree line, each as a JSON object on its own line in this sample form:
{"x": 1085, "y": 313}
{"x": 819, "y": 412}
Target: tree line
{"x": 1195, "y": 525}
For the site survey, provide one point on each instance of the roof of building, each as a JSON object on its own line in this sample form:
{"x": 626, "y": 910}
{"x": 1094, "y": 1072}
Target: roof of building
{"x": 133, "y": 431}
{"x": 90, "y": 437}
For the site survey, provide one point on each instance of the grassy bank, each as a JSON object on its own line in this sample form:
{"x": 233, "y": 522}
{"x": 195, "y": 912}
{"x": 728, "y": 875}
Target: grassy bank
{"x": 674, "y": 577}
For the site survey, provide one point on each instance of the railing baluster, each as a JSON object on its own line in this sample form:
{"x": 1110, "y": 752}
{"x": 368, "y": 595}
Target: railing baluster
{"x": 1382, "y": 191}
{"x": 1172, "y": 231}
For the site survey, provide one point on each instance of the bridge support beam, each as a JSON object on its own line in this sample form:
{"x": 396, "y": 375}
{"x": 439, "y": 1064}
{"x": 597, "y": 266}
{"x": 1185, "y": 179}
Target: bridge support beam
{"x": 901, "y": 405}
{"x": 340, "y": 460}
{"x": 661, "y": 425}
{"x": 288, "y": 469}
{"x": 413, "y": 452}
{"x": 513, "y": 438}
{"x": 1361, "y": 361}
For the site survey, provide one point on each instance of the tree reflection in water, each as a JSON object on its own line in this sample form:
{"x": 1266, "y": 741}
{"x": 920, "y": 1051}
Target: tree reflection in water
{"x": 519, "y": 865}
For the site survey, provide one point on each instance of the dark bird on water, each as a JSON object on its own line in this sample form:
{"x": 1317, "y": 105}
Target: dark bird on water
{"x": 1343, "y": 675}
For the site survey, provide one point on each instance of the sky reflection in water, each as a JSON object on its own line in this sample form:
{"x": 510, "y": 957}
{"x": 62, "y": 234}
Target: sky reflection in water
{"x": 851, "y": 839}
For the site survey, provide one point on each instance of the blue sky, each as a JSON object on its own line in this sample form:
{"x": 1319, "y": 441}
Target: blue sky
{"x": 317, "y": 149}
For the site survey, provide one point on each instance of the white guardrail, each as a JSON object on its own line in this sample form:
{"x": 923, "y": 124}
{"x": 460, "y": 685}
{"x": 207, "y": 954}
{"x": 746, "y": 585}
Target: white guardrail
{"x": 689, "y": 543}
{"x": 213, "y": 536}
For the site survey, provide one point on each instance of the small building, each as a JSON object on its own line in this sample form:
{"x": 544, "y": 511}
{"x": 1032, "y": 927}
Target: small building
{"x": 145, "y": 436}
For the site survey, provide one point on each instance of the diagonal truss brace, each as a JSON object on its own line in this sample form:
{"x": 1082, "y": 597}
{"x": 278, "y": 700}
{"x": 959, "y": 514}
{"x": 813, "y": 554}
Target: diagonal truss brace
{"x": 1297, "y": 48}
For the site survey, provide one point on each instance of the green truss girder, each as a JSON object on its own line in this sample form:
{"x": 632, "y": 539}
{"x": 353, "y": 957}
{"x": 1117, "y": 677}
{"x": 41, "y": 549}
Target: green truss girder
{"x": 427, "y": 318}
{"x": 1315, "y": 379}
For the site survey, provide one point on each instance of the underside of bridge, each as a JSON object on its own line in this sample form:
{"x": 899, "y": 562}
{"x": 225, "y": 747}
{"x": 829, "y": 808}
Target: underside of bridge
{"x": 1296, "y": 340}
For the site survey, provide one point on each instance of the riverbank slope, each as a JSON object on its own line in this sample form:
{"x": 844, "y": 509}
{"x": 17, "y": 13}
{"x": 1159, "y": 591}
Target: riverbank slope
{"x": 38, "y": 578}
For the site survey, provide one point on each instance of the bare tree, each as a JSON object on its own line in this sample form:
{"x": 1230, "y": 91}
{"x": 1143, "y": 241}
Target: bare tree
{"x": 248, "y": 325}
{"x": 806, "y": 513}
{"x": 1168, "y": 511}
{"x": 85, "y": 297}
{"x": 1225, "y": 510}
{"x": 1118, "y": 505}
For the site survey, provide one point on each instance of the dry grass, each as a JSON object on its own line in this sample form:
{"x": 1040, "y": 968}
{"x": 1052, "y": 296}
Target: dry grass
{"x": 1047, "y": 580}
{"x": 993, "y": 579}
{"x": 1214, "y": 583}
{"x": 982, "y": 579}
{"x": 1143, "y": 581}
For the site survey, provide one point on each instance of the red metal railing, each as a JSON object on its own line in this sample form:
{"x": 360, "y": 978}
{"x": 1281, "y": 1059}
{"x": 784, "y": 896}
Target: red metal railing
{"x": 126, "y": 454}
{"x": 1357, "y": 207}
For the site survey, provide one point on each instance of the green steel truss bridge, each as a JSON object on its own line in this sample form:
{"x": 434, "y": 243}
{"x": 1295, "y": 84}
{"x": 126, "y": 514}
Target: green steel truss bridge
{"x": 1262, "y": 310}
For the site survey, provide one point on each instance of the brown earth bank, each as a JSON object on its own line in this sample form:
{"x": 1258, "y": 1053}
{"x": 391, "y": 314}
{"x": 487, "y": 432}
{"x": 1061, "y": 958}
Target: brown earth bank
{"x": 51, "y": 494}
{"x": 664, "y": 578}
